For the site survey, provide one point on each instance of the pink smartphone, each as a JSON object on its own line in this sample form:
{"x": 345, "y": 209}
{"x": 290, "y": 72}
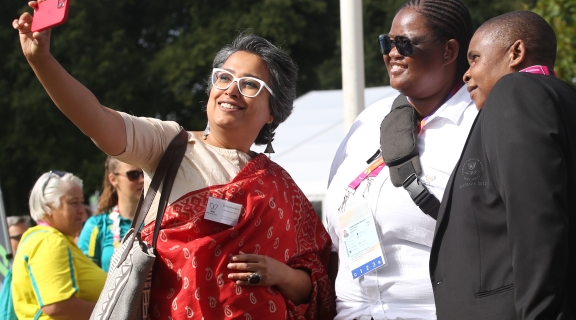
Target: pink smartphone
{"x": 50, "y": 13}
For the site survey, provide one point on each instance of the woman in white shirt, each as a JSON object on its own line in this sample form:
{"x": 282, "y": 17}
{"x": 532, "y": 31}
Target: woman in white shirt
{"x": 425, "y": 55}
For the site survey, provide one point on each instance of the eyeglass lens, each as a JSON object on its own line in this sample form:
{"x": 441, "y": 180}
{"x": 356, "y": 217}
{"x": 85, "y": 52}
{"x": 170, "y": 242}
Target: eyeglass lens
{"x": 249, "y": 87}
{"x": 403, "y": 44}
{"x": 134, "y": 175}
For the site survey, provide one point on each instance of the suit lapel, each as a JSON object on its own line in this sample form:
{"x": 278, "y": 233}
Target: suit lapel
{"x": 447, "y": 198}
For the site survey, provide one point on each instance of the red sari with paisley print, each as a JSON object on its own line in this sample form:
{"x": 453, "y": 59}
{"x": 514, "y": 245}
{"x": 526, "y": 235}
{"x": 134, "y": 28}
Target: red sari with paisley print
{"x": 190, "y": 278}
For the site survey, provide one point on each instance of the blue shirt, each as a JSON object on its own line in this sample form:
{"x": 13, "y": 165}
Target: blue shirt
{"x": 97, "y": 241}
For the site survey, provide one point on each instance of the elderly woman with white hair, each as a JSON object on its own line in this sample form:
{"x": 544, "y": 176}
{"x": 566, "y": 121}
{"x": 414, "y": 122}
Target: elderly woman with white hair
{"x": 52, "y": 278}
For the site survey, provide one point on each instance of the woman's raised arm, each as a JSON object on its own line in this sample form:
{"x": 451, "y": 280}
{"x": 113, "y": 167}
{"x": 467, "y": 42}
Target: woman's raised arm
{"x": 105, "y": 126}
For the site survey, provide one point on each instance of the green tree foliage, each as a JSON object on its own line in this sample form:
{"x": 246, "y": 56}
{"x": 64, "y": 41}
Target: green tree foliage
{"x": 561, "y": 15}
{"x": 99, "y": 46}
{"x": 304, "y": 29}
{"x": 151, "y": 58}
{"x": 148, "y": 58}
{"x": 377, "y": 19}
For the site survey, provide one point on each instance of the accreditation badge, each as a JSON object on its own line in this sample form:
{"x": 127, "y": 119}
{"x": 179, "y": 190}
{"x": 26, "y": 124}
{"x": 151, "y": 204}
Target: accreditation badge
{"x": 222, "y": 211}
{"x": 361, "y": 240}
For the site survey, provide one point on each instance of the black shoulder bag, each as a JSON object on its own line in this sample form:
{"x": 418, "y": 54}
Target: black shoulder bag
{"x": 399, "y": 147}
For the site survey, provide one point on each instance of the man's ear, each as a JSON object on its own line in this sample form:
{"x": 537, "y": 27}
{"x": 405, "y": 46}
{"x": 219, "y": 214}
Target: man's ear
{"x": 451, "y": 51}
{"x": 517, "y": 54}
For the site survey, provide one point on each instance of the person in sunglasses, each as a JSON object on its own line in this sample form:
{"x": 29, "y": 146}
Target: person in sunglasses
{"x": 17, "y": 225}
{"x": 505, "y": 242}
{"x": 238, "y": 238}
{"x": 102, "y": 233}
{"x": 381, "y": 267}
{"x": 51, "y": 277}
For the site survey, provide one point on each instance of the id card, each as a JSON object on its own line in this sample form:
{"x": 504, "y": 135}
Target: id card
{"x": 222, "y": 211}
{"x": 363, "y": 249}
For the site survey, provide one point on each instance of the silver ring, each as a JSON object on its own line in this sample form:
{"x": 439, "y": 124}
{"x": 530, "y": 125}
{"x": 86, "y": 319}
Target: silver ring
{"x": 254, "y": 278}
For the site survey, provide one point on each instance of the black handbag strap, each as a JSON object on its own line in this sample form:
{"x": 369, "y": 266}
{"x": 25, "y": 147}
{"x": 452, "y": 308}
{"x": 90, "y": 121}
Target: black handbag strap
{"x": 166, "y": 170}
{"x": 398, "y": 134}
{"x": 168, "y": 182}
{"x": 167, "y": 159}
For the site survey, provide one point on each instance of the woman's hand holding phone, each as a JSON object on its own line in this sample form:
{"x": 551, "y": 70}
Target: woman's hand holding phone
{"x": 33, "y": 44}
{"x": 105, "y": 126}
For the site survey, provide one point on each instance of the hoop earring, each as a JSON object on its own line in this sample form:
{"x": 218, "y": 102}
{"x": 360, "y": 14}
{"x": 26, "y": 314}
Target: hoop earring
{"x": 206, "y": 131}
{"x": 269, "y": 148}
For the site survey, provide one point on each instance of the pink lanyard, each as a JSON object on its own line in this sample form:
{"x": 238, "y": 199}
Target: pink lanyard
{"x": 538, "y": 69}
{"x": 375, "y": 167}
{"x": 372, "y": 171}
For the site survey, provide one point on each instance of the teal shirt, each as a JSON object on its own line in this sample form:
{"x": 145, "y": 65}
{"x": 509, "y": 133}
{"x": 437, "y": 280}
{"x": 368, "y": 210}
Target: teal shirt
{"x": 97, "y": 241}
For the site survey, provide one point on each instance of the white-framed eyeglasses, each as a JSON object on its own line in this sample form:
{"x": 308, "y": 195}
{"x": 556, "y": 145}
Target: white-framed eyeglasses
{"x": 248, "y": 86}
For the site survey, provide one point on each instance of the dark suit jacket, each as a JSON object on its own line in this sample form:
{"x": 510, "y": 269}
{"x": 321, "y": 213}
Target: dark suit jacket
{"x": 505, "y": 241}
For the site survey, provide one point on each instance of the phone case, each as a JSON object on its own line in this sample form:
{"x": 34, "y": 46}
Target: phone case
{"x": 50, "y": 13}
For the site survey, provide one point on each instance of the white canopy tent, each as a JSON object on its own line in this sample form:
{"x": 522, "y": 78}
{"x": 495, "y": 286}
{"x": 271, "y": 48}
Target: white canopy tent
{"x": 307, "y": 141}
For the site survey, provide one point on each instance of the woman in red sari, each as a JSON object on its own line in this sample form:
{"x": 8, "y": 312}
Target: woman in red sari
{"x": 239, "y": 239}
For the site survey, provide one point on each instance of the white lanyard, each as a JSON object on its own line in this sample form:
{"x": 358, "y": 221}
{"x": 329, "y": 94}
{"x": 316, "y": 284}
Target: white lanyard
{"x": 115, "y": 216}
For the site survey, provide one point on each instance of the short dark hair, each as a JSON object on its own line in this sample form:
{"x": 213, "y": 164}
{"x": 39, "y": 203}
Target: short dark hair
{"x": 449, "y": 19}
{"x": 526, "y": 26}
{"x": 283, "y": 71}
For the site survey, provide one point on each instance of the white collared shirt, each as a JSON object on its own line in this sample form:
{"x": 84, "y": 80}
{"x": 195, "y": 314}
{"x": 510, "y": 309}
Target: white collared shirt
{"x": 402, "y": 289}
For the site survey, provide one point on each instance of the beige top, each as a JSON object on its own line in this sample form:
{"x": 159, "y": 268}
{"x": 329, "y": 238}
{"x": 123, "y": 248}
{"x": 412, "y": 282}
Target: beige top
{"x": 203, "y": 164}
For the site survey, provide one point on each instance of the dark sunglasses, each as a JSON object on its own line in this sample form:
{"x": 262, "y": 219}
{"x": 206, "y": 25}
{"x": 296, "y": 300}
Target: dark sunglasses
{"x": 132, "y": 175}
{"x": 60, "y": 174}
{"x": 16, "y": 237}
{"x": 404, "y": 45}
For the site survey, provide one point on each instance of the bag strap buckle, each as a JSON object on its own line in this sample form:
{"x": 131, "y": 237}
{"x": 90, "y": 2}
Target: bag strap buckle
{"x": 415, "y": 188}
{"x": 421, "y": 196}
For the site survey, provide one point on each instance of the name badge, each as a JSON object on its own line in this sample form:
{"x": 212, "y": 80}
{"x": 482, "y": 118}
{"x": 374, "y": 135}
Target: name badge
{"x": 222, "y": 211}
{"x": 363, "y": 249}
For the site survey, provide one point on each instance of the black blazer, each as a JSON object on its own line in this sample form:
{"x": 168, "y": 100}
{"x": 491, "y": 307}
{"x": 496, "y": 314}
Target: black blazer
{"x": 505, "y": 240}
